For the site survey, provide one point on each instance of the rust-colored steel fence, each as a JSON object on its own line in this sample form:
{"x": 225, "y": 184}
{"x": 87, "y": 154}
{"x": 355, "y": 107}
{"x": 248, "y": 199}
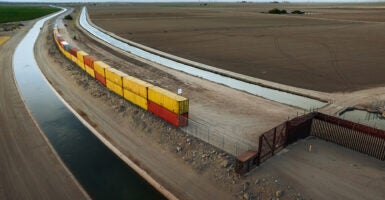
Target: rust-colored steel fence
{"x": 365, "y": 139}
{"x": 362, "y": 138}
{"x": 273, "y": 141}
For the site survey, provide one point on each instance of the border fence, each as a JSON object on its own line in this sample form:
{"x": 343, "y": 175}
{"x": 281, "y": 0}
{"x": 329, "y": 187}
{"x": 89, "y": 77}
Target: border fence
{"x": 217, "y": 137}
{"x": 362, "y": 138}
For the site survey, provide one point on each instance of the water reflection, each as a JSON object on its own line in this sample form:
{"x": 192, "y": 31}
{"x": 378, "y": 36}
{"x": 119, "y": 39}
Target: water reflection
{"x": 364, "y": 117}
{"x": 101, "y": 173}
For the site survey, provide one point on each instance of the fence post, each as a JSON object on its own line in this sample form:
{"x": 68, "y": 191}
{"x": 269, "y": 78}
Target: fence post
{"x": 274, "y": 138}
{"x": 259, "y": 150}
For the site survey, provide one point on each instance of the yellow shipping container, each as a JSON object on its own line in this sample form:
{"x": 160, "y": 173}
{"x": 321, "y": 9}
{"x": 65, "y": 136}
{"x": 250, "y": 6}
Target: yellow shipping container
{"x": 100, "y": 67}
{"x": 80, "y": 56}
{"x": 74, "y": 59}
{"x": 68, "y": 55}
{"x": 62, "y": 49}
{"x": 135, "y": 99}
{"x": 115, "y": 76}
{"x": 114, "y": 87}
{"x": 169, "y": 100}
{"x": 90, "y": 71}
{"x": 136, "y": 86}
{"x": 81, "y": 64}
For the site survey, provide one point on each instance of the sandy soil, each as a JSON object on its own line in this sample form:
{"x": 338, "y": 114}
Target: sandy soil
{"x": 29, "y": 168}
{"x": 332, "y": 48}
{"x": 328, "y": 171}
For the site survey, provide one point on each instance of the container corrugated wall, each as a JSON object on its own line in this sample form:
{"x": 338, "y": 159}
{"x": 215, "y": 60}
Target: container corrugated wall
{"x": 171, "y": 117}
{"x": 89, "y": 60}
{"x": 90, "y": 71}
{"x": 136, "y": 86}
{"x": 115, "y": 76}
{"x": 74, "y": 55}
{"x": 168, "y": 100}
{"x": 135, "y": 99}
{"x": 100, "y": 78}
{"x": 100, "y": 67}
{"x": 80, "y": 56}
{"x": 100, "y": 71}
{"x": 114, "y": 87}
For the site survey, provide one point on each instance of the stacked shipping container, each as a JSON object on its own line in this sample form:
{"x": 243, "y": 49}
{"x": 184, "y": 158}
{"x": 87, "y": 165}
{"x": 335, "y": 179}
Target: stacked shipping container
{"x": 167, "y": 105}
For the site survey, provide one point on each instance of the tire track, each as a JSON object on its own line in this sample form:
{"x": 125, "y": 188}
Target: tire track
{"x": 335, "y": 65}
{"x": 298, "y": 61}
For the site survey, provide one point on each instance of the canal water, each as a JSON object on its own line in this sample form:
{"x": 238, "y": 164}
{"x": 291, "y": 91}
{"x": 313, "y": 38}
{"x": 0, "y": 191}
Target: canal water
{"x": 364, "y": 117}
{"x": 268, "y": 93}
{"x": 101, "y": 173}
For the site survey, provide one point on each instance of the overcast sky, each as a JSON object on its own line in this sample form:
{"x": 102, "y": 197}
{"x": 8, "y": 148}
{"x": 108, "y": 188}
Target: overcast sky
{"x": 188, "y": 1}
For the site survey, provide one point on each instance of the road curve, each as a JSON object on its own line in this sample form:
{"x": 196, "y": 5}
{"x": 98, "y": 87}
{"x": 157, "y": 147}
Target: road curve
{"x": 29, "y": 168}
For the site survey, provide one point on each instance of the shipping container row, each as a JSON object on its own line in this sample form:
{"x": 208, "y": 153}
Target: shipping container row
{"x": 167, "y": 105}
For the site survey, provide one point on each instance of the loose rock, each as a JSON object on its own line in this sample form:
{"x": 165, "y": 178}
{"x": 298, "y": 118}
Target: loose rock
{"x": 278, "y": 193}
{"x": 225, "y": 163}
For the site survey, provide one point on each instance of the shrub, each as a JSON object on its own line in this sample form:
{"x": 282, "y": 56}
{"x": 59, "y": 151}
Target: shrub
{"x": 277, "y": 11}
{"x": 68, "y": 17}
{"x": 298, "y": 12}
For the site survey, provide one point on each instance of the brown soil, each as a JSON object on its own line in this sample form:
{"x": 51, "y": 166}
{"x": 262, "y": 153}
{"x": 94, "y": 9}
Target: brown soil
{"x": 29, "y": 167}
{"x": 213, "y": 108}
{"x": 332, "y": 48}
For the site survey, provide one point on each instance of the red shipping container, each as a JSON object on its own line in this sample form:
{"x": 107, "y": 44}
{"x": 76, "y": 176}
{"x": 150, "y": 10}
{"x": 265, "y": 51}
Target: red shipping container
{"x": 74, "y": 52}
{"x": 100, "y": 78}
{"x": 170, "y": 117}
{"x": 89, "y": 60}
{"x": 59, "y": 40}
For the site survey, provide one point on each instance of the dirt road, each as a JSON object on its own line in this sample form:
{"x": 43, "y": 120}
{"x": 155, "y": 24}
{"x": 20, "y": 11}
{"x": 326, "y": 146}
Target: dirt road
{"x": 29, "y": 169}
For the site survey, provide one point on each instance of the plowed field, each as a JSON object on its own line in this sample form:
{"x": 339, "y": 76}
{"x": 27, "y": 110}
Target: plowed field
{"x": 330, "y": 48}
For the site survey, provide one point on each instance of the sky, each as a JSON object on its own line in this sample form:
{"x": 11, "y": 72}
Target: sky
{"x": 83, "y": 1}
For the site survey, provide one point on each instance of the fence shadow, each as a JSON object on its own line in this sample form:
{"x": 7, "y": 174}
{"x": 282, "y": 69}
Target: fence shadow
{"x": 362, "y": 138}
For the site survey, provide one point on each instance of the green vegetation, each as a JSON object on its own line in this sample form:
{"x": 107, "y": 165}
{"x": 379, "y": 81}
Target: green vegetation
{"x": 68, "y": 17}
{"x": 298, "y": 12}
{"x": 277, "y": 11}
{"x": 11, "y": 13}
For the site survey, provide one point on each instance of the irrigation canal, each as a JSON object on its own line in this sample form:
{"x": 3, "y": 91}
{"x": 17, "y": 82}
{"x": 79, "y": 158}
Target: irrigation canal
{"x": 268, "y": 93}
{"x": 364, "y": 117}
{"x": 101, "y": 173}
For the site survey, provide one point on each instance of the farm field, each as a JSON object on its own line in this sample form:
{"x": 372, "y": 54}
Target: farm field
{"x": 13, "y": 13}
{"x": 332, "y": 48}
